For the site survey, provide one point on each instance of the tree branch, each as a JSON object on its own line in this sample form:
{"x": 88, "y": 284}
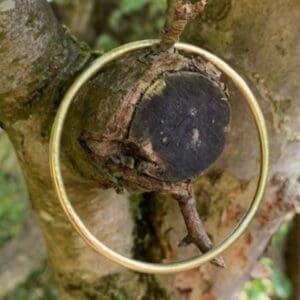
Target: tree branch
{"x": 27, "y": 70}
{"x": 196, "y": 231}
{"x": 38, "y": 62}
{"x": 41, "y": 63}
{"x": 179, "y": 13}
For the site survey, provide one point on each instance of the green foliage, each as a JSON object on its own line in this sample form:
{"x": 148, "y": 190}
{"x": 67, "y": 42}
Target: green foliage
{"x": 106, "y": 42}
{"x": 13, "y": 197}
{"x": 38, "y": 286}
{"x": 282, "y": 286}
{"x": 11, "y": 209}
{"x": 277, "y": 286}
{"x": 132, "y": 20}
{"x": 279, "y": 238}
{"x": 131, "y": 6}
{"x": 259, "y": 289}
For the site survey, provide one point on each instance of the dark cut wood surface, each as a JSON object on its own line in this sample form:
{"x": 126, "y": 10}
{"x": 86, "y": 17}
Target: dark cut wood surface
{"x": 184, "y": 116}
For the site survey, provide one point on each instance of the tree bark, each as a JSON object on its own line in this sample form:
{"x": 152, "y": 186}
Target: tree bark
{"x": 39, "y": 61}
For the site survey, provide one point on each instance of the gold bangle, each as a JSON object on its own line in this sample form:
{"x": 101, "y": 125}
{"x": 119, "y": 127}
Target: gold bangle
{"x": 97, "y": 245}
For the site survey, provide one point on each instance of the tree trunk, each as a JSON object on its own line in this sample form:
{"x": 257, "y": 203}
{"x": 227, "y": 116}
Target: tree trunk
{"x": 38, "y": 62}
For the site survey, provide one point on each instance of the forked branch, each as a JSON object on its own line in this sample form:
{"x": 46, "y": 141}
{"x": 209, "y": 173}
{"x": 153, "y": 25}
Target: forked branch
{"x": 195, "y": 228}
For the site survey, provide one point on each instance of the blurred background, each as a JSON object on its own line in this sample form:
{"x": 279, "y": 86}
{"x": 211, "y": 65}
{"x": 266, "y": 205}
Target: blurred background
{"x": 102, "y": 25}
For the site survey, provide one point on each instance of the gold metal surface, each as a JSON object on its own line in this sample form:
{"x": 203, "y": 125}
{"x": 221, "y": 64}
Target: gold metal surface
{"x": 97, "y": 245}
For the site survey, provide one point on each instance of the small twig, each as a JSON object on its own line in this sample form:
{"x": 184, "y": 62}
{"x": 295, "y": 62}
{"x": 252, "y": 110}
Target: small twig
{"x": 196, "y": 230}
{"x": 179, "y": 13}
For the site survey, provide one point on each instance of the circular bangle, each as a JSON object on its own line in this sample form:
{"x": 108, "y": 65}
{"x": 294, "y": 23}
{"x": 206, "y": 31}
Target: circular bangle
{"x": 55, "y": 166}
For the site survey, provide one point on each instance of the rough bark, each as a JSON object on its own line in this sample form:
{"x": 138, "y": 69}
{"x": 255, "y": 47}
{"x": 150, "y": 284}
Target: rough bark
{"x": 260, "y": 38}
{"x": 261, "y": 41}
{"x": 33, "y": 80}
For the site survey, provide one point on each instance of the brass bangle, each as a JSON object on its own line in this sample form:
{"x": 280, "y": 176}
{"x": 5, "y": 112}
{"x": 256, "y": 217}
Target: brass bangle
{"x": 97, "y": 245}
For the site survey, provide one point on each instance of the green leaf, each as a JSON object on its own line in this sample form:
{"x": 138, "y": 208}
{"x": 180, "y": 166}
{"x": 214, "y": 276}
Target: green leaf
{"x": 280, "y": 237}
{"x": 106, "y": 42}
{"x": 131, "y": 6}
{"x": 258, "y": 289}
{"x": 282, "y": 286}
{"x": 13, "y": 197}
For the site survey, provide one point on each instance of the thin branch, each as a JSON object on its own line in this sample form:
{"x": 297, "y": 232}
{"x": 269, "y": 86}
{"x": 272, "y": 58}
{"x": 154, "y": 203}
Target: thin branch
{"x": 196, "y": 230}
{"x": 171, "y": 5}
{"x": 179, "y": 13}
